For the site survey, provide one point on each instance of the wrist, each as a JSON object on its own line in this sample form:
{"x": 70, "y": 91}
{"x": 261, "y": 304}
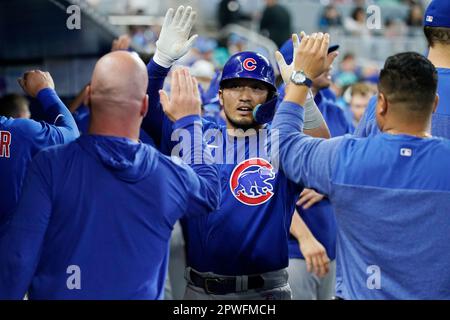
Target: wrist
{"x": 296, "y": 94}
{"x": 163, "y": 59}
{"x": 301, "y": 79}
{"x": 42, "y": 90}
{"x": 186, "y": 120}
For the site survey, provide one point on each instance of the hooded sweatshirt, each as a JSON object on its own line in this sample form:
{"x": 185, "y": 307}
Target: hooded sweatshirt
{"x": 96, "y": 216}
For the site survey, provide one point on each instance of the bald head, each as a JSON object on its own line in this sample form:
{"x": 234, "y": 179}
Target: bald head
{"x": 119, "y": 80}
{"x": 117, "y": 93}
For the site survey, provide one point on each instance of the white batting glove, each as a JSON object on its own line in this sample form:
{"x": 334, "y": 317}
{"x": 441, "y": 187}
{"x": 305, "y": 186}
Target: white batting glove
{"x": 287, "y": 69}
{"x": 174, "y": 41}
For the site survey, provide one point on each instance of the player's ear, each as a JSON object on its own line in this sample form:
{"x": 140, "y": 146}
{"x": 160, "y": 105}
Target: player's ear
{"x": 436, "y": 102}
{"x": 382, "y": 105}
{"x": 221, "y": 97}
{"x": 87, "y": 96}
{"x": 144, "y": 108}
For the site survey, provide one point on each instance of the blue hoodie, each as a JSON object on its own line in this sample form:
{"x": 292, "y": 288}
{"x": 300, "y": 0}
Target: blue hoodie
{"x": 391, "y": 195}
{"x": 95, "y": 219}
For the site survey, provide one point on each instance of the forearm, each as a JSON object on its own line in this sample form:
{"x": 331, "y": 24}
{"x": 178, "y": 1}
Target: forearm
{"x": 299, "y": 229}
{"x": 303, "y": 159}
{"x": 153, "y": 121}
{"x": 198, "y": 156}
{"x": 57, "y": 114}
{"x": 315, "y": 125}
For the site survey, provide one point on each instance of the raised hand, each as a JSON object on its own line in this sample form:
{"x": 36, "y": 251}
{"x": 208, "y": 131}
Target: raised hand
{"x": 184, "y": 96}
{"x": 174, "y": 41}
{"x": 312, "y": 54}
{"x": 287, "y": 69}
{"x": 121, "y": 43}
{"x": 32, "y": 82}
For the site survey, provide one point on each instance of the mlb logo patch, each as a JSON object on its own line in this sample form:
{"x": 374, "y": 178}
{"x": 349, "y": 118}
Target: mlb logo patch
{"x": 406, "y": 152}
{"x": 430, "y": 18}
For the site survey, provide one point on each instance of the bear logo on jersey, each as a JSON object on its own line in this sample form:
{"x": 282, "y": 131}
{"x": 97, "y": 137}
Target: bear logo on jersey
{"x": 251, "y": 182}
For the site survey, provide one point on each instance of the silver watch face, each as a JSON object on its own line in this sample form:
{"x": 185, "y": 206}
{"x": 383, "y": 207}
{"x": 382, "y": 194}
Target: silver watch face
{"x": 298, "y": 77}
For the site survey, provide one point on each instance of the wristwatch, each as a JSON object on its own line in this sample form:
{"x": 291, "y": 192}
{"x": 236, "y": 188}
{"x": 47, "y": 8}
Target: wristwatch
{"x": 299, "y": 78}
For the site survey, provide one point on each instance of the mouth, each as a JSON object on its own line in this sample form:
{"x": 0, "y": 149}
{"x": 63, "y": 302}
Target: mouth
{"x": 245, "y": 110}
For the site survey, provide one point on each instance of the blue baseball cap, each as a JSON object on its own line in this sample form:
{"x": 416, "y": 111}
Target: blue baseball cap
{"x": 438, "y": 14}
{"x": 288, "y": 47}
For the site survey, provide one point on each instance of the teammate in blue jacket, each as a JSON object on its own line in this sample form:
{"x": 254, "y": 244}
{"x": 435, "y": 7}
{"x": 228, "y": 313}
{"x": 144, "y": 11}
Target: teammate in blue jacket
{"x": 95, "y": 216}
{"x": 437, "y": 32}
{"x": 21, "y": 139}
{"x": 240, "y": 251}
{"x": 390, "y": 192}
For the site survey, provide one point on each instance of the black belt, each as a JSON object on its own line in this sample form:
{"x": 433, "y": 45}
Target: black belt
{"x": 216, "y": 285}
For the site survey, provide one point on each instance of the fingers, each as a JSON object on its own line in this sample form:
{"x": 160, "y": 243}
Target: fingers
{"x": 190, "y": 23}
{"x": 296, "y": 41}
{"x": 164, "y": 100}
{"x": 323, "y": 264}
{"x": 305, "y": 196}
{"x": 311, "y": 42}
{"x": 178, "y": 15}
{"x": 175, "y": 84}
{"x": 195, "y": 90}
{"x": 185, "y": 17}
{"x": 183, "y": 83}
{"x": 186, "y": 83}
{"x": 309, "y": 266}
{"x": 310, "y": 203}
{"x": 324, "y": 44}
{"x": 190, "y": 42}
{"x": 318, "y": 39}
{"x": 280, "y": 60}
{"x": 168, "y": 18}
{"x": 316, "y": 266}
{"x": 331, "y": 57}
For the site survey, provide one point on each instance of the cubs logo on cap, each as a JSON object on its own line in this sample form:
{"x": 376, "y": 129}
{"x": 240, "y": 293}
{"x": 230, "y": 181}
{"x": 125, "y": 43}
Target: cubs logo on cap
{"x": 251, "y": 182}
{"x": 249, "y": 64}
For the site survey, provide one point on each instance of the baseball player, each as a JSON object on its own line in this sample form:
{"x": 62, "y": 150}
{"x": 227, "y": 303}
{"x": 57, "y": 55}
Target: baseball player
{"x": 437, "y": 32}
{"x": 95, "y": 217}
{"x": 240, "y": 251}
{"x": 388, "y": 191}
{"x": 21, "y": 139}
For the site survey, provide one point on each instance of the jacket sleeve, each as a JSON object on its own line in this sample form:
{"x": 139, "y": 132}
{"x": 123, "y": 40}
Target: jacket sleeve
{"x": 304, "y": 160}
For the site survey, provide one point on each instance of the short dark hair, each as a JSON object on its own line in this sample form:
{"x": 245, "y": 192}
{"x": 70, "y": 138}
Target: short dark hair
{"x": 357, "y": 11}
{"x": 12, "y": 105}
{"x": 437, "y": 35}
{"x": 409, "y": 79}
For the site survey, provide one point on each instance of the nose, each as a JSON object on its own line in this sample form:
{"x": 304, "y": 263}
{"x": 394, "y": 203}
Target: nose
{"x": 246, "y": 94}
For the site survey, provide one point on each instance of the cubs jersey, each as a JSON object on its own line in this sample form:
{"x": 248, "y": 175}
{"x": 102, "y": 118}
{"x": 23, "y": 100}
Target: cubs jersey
{"x": 21, "y": 139}
{"x": 248, "y": 234}
{"x": 388, "y": 192}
